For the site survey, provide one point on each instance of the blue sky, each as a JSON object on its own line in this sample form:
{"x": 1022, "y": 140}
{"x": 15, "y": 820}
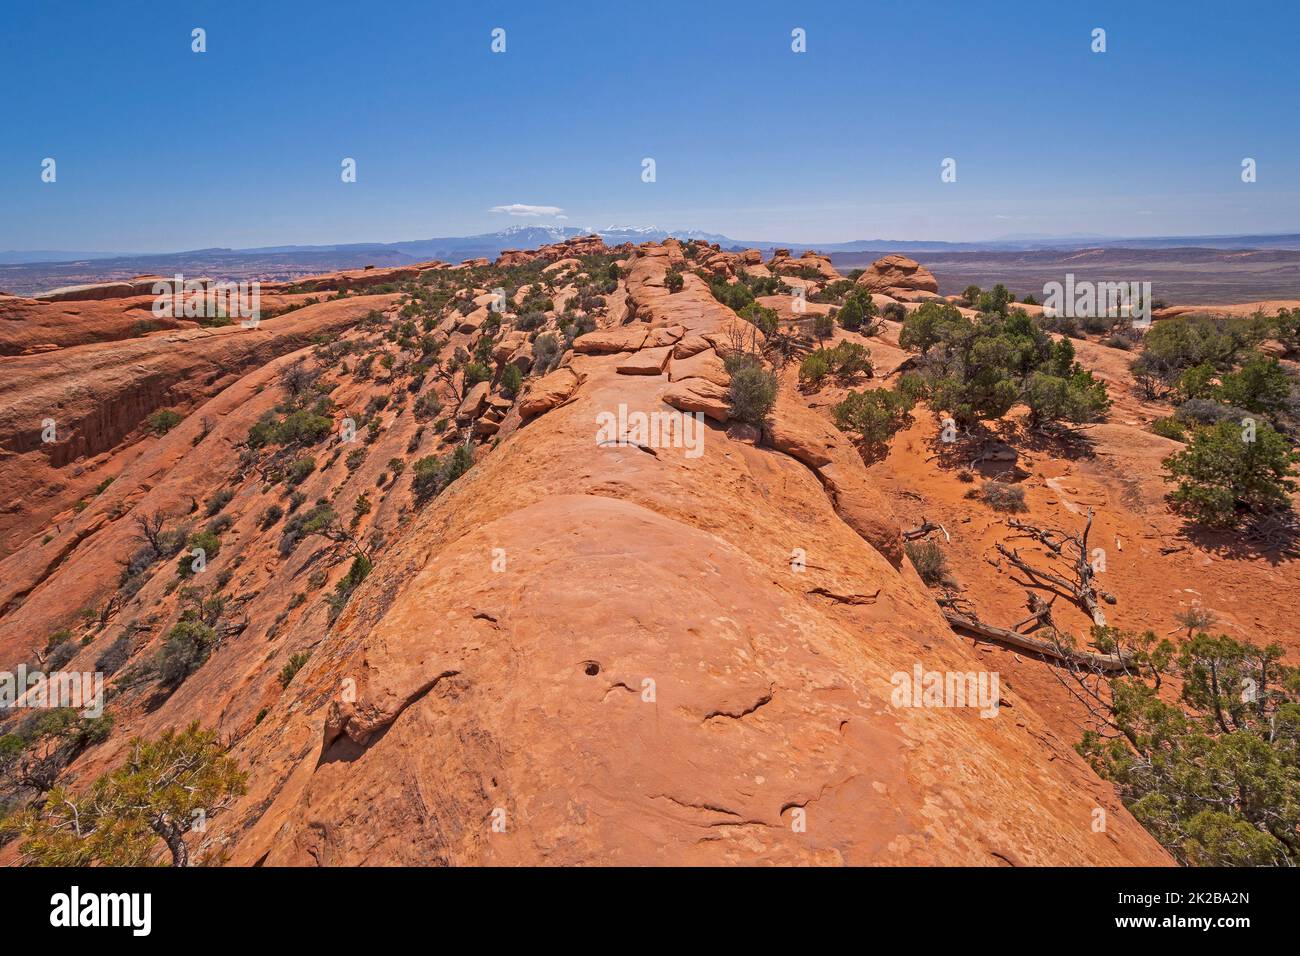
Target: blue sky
{"x": 159, "y": 148}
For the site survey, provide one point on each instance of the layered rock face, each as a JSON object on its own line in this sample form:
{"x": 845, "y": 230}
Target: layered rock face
{"x": 74, "y": 404}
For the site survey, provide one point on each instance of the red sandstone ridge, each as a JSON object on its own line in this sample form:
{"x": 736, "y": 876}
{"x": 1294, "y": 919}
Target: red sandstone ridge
{"x": 553, "y": 252}
{"x": 607, "y": 644}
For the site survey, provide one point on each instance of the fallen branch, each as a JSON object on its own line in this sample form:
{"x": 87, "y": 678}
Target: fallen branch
{"x": 1103, "y": 662}
{"x": 925, "y": 528}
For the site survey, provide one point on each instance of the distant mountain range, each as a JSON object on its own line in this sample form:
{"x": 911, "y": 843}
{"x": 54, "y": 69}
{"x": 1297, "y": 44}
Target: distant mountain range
{"x": 457, "y": 248}
{"x": 30, "y": 272}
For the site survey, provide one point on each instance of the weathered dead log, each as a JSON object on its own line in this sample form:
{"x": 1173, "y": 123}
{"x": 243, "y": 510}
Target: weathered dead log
{"x": 925, "y": 528}
{"x": 1107, "y": 663}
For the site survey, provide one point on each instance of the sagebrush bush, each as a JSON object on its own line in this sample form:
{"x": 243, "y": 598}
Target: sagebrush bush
{"x": 753, "y": 389}
{"x": 1001, "y": 496}
{"x": 219, "y": 500}
{"x": 189, "y": 644}
{"x": 928, "y": 559}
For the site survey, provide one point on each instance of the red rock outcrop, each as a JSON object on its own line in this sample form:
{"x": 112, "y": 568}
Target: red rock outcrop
{"x": 895, "y": 274}
{"x": 98, "y": 395}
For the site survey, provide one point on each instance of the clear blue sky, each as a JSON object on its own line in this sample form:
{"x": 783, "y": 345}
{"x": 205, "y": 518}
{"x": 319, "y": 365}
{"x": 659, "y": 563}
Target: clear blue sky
{"x": 159, "y": 148}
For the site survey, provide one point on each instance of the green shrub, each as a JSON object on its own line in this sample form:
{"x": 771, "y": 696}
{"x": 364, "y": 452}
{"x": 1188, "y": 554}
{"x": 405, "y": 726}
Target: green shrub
{"x": 1171, "y": 346}
{"x": 978, "y": 369}
{"x": 1078, "y": 398}
{"x": 1214, "y": 773}
{"x": 673, "y": 281}
{"x": 925, "y": 327}
{"x": 734, "y": 295}
{"x": 1260, "y": 386}
{"x": 823, "y": 326}
{"x": 1169, "y": 427}
{"x": 357, "y": 573}
{"x": 857, "y": 312}
{"x": 845, "y": 361}
{"x": 292, "y": 667}
{"x": 118, "y": 820}
{"x": 753, "y": 389}
{"x": 430, "y": 475}
{"x": 875, "y": 414}
{"x": 206, "y": 540}
{"x": 298, "y": 470}
{"x": 763, "y": 318}
{"x": 1197, "y": 381}
{"x": 1220, "y": 475}
{"x": 814, "y": 368}
{"x": 163, "y": 421}
{"x": 476, "y": 372}
{"x": 1285, "y": 327}
{"x": 301, "y": 427}
{"x": 512, "y": 380}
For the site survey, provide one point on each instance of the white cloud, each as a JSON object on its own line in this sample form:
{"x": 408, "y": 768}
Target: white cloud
{"x": 523, "y": 209}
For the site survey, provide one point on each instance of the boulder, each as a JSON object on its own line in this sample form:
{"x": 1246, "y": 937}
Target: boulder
{"x": 898, "y": 273}
{"x": 645, "y": 362}
{"x": 699, "y": 395}
{"x": 548, "y": 392}
{"x": 690, "y": 345}
{"x": 704, "y": 365}
{"x": 472, "y": 405}
{"x": 472, "y": 322}
{"x": 629, "y": 338}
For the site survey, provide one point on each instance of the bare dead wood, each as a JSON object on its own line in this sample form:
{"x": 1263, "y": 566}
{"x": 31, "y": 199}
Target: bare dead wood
{"x": 1042, "y": 612}
{"x": 1072, "y": 549}
{"x": 1107, "y": 663}
{"x": 925, "y": 528}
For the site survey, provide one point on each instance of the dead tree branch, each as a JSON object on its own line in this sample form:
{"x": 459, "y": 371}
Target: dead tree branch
{"x": 925, "y": 528}
{"x": 1072, "y": 549}
{"x": 1107, "y": 663}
